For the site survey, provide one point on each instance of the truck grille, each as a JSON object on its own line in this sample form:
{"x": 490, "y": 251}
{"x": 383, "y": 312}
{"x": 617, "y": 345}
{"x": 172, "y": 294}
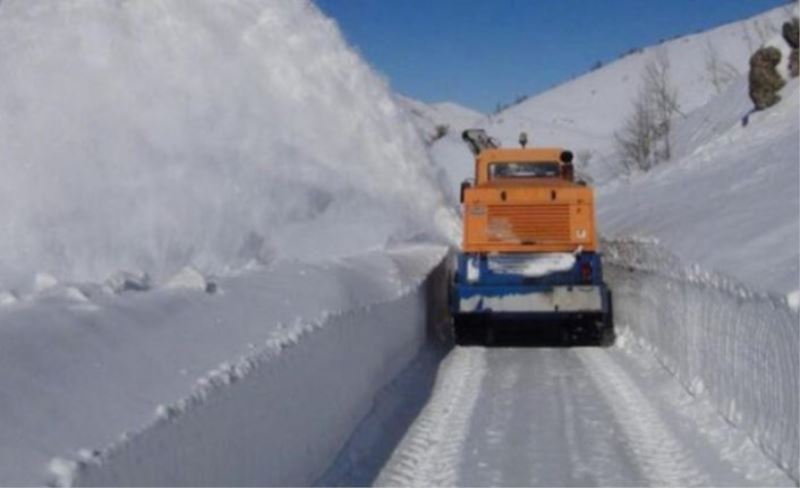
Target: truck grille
{"x": 528, "y": 223}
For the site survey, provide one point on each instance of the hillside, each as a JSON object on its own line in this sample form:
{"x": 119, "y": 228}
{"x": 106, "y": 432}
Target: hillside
{"x": 731, "y": 203}
{"x": 583, "y": 113}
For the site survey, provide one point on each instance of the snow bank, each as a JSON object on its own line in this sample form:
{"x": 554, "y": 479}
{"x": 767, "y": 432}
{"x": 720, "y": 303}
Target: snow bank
{"x": 731, "y": 203}
{"x": 149, "y": 136}
{"x": 260, "y": 382}
{"x": 718, "y": 338}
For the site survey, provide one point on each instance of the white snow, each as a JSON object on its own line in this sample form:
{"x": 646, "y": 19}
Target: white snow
{"x": 44, "y": 281}
{"x": 532, "y": 265}
{"x": 187, "y": 278}
{"x": 128, "y": 281}
{"x": 8, "y": 298}
{"x": 171, "y": 148}
{"x": 473, "y": 270}
{"x": 152, "y": 136}
{"x": 793, "y": 300}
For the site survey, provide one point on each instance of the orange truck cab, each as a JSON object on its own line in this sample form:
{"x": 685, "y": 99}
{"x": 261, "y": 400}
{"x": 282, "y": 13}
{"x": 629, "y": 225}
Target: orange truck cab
{"x": 529, "y": 251}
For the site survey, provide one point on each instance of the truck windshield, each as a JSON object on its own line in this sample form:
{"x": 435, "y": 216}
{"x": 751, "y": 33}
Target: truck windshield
{"x": 541, "y": 169}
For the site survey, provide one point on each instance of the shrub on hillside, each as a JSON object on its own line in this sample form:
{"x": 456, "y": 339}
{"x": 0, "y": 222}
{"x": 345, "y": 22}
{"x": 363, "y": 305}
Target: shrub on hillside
{"x": 644, "y": 138}
{"x": 765, "y": 82}
{"x": 791, "y": 33}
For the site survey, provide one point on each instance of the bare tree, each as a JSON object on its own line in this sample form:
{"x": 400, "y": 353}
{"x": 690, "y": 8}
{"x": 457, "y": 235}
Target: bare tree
{"x": 721, "y": 73}
{"x": 636, "y": 138}
{"x": 644, "y": 139}
{"x": 663, "y": 97}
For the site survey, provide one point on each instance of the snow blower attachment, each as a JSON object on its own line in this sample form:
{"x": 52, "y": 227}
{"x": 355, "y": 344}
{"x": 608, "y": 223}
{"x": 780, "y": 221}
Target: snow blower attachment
{"x": 529, "y": 252}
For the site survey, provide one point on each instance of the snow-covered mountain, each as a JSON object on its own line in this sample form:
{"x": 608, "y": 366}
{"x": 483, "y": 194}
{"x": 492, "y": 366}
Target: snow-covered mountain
{"x": 584, "y": 113}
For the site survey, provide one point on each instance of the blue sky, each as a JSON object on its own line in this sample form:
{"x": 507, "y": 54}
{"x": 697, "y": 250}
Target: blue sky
{"x": 482, "y": 52}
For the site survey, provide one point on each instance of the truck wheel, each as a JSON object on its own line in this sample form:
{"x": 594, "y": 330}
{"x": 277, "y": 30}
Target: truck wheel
{"x": 491, "y": 335}
{"x": 468, "y": 331}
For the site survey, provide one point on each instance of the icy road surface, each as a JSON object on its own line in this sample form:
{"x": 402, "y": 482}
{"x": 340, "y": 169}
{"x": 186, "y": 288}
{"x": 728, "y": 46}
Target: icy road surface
{"x": 555, "y": 417}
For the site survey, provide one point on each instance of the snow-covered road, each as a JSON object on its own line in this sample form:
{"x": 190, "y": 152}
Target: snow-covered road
{"x": 558, "y": 417}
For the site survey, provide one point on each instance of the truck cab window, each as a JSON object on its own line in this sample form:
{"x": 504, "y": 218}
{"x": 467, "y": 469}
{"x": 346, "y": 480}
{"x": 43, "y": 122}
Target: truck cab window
{"x": 524, "y": 170}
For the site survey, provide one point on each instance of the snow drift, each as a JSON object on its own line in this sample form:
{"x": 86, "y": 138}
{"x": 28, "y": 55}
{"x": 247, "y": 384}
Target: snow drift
{"x": 145, "y": 136}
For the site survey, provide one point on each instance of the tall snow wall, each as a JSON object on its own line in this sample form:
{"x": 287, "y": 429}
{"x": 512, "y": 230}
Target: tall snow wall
{"x": 279, "y": 419}
{"x": 738, "y": 347}
{"x": 259, "y": 383}
{"x": 150, "y": 135}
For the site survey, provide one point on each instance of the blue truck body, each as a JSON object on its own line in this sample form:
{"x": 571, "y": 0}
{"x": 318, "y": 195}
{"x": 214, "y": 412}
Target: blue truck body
{"x": 484, "y": 293}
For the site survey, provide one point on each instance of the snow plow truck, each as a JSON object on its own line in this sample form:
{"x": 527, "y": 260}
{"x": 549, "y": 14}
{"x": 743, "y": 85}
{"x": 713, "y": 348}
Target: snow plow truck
{"x": 530, "y": 250}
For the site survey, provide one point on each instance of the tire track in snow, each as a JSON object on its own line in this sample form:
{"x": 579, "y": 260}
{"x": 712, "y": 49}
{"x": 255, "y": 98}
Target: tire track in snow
{"x": 486, "y": 450}
{"x": 430, "y": 454}
{"x": 571, "y": 440}
{"x": 661, "y": 457}
{"x": 591, "y": 432}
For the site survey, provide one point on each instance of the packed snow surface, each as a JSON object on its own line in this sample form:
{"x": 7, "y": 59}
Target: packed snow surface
{"x": 148, "y": 136}
{"x": 511, "y": 416}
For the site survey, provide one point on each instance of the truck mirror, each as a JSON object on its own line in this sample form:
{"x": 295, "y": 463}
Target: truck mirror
{"x": 464, "y": 185}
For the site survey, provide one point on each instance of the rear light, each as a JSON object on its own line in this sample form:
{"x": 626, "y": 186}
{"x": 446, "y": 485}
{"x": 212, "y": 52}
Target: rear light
{"x": 586, "y": 272}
